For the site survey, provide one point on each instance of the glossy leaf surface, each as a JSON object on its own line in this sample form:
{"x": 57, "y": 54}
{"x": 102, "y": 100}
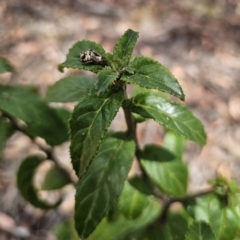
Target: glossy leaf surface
{"x": 25, "y": 176}
{"x": 73, "y": 57}
{"x": 88, "y": 125}
{"x": 169, "y": 114}
{"x": 70, "y": 89}
{"x": 99, "y": 188}
{"x": 171, "y": 176}
{"x": 105, "y": 78}
{"x": 43, "y": 121}
{"x": 150, "y": 74}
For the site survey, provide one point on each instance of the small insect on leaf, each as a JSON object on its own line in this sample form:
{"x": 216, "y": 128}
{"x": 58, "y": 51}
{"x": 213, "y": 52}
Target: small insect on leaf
{"x": 91, "y": 56}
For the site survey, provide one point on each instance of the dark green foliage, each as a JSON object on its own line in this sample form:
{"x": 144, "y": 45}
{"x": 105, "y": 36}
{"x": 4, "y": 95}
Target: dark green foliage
{"x": 25, "y": 183}
{"x": 99, "y": 188}
{"x": 74, "y": 60}
{"x": 108, "y": 206}
{"x": 105, "y": 78}
{"x": 41, "y": 120}
{"x": 70, "y": 89}
{"x": 88, "y": 125}
{"x": 169, "y": 174}
{"x": 151, "y": 74}
{"x": 172, "y": 115}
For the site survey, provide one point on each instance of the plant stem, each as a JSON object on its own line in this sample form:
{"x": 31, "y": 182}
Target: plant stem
{"x": 47, "y": 150}
{"x": 131, "y": 125}
{"x": 168, "y": 202}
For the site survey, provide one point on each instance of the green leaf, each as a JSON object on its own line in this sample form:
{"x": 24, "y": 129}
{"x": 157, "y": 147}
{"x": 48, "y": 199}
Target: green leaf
{"x": 132, "y": 201}
{"x": 6, "y": 130}
{"x": 43, "y": 121}
{"x": 121, "y": 227}
{"x": 105, "y": 78}
{"x": 151, "y": 74}
{"x": 73, "y": 58}
{"x": 174, "y": 143}
{"x": 99, "y": 188}
{"x": 69, "y": 89}
{"x": 170, "y": 176}
{"x": 55, "y": 179}
{"x": 25, "y": 176}
{"x": 224, "y": 220}
{"x": 171, "y": 115}
{"x": 66, "y": 230}
{"x": 178, "y": 224}
{"x": 64, "y": 114}
{"x": 124, "y": 47}
{"x": 88, "y": 125}
{"x": 6, "y": 66}
{"x": 200, "y": 231}
{"x": 175, "y": 228}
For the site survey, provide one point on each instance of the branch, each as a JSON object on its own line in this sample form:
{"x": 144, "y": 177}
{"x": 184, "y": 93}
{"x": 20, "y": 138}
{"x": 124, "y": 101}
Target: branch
{"x": 46, "y": 149}
{"x": 168, "y": 202}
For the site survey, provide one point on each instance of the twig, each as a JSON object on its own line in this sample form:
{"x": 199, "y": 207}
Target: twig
{"x": 47, "y": 150}
{"x": 168, "y": 202}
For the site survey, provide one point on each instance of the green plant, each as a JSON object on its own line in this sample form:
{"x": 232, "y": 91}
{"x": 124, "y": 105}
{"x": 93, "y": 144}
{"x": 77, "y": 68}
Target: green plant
{"x": 108, "y": 205}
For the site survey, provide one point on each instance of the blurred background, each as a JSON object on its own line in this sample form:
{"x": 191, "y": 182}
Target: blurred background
{"x": 199, "y": 41}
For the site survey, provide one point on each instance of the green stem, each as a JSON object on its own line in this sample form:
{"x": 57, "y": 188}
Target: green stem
{"x": 132, "y": 127}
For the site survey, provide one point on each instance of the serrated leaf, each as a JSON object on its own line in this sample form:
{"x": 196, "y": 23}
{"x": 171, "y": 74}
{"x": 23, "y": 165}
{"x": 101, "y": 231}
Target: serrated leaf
{"x": 55, "y": 179}
{"x": 73, "y": 57}
{"x": 174, "y": 143}
{"x": 121, "y": 227}
{"x": 151, "y": 74}
{"x": 99, "y": 188}
{"x": 105, "y": 78}
{"x": 6, "y": 130}
{"x": 170, "y": 176}
{"x": 70, "y": 89}
{"x": 88, "y": 125}
{"x": 200, "y": 231}
{"x": 123, "y": 50}
{"x": 6, "y": 66}
{"x": 43, "y": 121}
{"x": 132, "y": 201}
{"x": 171, "y": 115}
{"x": 25, "y": 183}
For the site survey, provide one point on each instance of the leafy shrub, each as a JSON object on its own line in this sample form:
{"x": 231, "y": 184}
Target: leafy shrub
{"x": 108, "y": 204}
